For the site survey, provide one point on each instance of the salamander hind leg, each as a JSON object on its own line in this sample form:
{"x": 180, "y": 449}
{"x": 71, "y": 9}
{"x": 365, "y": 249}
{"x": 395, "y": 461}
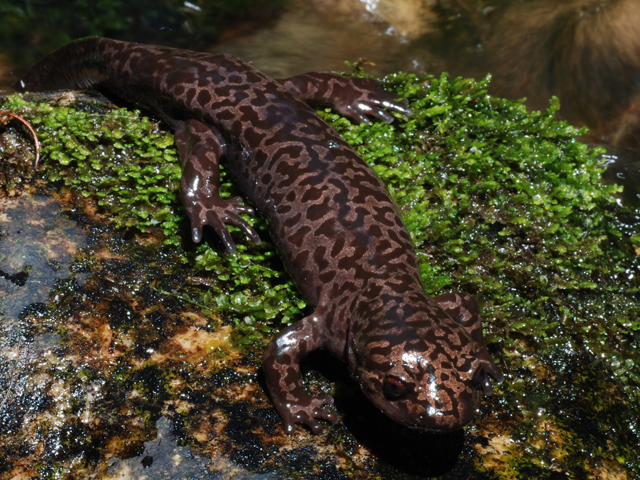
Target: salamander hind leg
{"x": 282, "y": 372}
{"x": 352, "y": 97}
{"x": 201, "y": 147}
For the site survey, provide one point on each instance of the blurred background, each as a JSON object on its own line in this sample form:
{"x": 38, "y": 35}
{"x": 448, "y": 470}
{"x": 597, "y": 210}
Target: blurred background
{"x": 586, "y": 52}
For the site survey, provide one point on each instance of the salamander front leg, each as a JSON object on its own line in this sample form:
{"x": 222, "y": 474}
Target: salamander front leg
{"x": 282, "y": 372}
{"x": 352, "y": 97}
{"x": 201, "y": 147}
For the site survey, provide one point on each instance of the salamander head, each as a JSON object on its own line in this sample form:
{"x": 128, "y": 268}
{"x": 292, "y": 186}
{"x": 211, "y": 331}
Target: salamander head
{"x": 428, "y": 379}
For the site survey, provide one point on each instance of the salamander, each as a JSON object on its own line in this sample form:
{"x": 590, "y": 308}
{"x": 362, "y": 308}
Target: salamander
{"x": 421, "y": 360}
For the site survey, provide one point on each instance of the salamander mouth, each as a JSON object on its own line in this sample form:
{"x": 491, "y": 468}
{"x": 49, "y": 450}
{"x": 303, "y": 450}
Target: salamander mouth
{"x": 447, "y": 422}
{"x": 441, "y": 431}
{"x": 443, "y": 421}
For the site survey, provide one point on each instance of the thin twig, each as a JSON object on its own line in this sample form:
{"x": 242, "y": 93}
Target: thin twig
{"x": 33, "y": 132}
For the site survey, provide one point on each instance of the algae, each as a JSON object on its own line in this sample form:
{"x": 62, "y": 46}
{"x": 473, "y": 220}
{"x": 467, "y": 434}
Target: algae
{"x": 501, "y": 203}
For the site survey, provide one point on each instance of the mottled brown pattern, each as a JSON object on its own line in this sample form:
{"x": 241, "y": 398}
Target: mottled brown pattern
{"x": 420, "y": 360}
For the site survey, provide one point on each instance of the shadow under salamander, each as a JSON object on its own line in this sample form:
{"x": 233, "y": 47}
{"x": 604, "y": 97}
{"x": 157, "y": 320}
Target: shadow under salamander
{"x": 410, "y": 451}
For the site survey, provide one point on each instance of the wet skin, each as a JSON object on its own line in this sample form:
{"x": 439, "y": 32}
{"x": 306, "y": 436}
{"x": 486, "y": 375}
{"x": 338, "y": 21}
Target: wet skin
{"x": 421, "y": 360}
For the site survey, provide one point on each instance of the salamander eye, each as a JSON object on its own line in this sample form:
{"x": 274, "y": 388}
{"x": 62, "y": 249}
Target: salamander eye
{"x": 394, "y": 388}
{"x": 479, "y": 377}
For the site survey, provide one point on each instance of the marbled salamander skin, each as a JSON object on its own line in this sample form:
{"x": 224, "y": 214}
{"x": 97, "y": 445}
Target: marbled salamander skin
{"x": 420, "y": 360}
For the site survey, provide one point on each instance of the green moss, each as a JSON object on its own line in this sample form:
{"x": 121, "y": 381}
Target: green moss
{"x": 122, "y": 158}
{"x": 501, "y": 203}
